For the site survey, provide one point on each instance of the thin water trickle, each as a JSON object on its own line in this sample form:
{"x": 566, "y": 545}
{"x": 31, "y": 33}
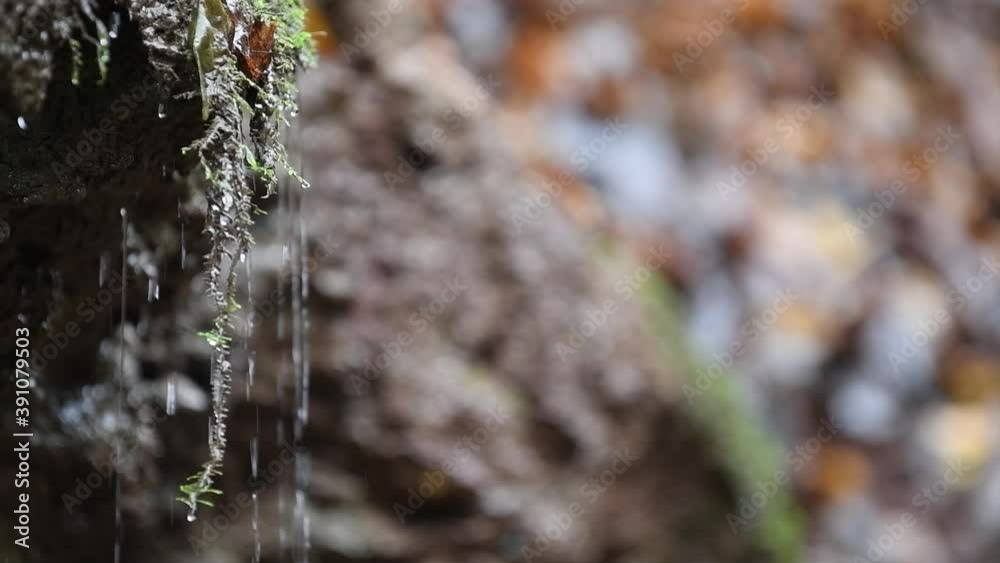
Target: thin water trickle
{"x": 302, "y": 459}
{"x": 171, "y": 396}
{"x": 119, "y": 528}
{"x": 254, "y": 457}
{"x": 255, "y": 524}
{"x": 251, "y": 367}
{"x": 102, "y": 269}
{"x": 180, "y": 218}
{"x": 283, "y": 214}
{"x": 116, "y": 22}
{"x": 282, "y": 519}
{"x": 303, "y": 411}
{"x": 152, "y": 291}
{"x": 247, "y": 259}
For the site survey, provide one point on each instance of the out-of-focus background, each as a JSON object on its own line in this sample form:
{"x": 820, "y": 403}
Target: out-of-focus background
{"x": 575, "y": 281}
{"x": 823, "y": 176}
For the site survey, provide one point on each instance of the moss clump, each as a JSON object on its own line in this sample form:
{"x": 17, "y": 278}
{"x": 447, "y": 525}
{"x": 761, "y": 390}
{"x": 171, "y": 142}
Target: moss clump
{"x": 746, "y": 451}
{"x": 248, "y": 55}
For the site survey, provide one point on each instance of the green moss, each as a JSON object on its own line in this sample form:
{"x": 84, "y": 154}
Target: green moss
{"x": 207, "y": 34}
{"x": 746, "y": 451}
{"x": 228, "y": 96}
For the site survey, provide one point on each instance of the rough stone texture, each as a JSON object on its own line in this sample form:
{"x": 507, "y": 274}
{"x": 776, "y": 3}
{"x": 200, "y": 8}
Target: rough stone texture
{"x": 67, "y": 171}
{"x": 31, "y": 32}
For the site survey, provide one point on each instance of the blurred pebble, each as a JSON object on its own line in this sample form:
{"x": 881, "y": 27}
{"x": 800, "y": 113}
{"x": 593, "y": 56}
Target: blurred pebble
{"x": 868, "y": 411}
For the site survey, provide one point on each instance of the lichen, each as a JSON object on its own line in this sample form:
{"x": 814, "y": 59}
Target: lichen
{"x": 224, "y": 42}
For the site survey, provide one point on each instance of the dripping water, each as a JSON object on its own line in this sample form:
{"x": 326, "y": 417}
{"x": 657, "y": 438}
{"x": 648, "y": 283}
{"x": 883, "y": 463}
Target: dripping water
{"x": 301, "y": 359}
{"x": 254, "y": 457}
{"x": 116, "y": 23}
{"x": 251, "y": 369}
{"x": 282, "y": 529}
{"x": 121, "y": 392}
{"x": 303, "y": 411}
{"x": 153, "y": 290}
{"x": 180, "y": 218}
{"x": 280, "y": 380}
{"x": 255, "y": 518}
{"x": 247, "y": 259}
{"x": 22, "y": 123}
{"x": 254, "y": 523}
{"x": 171, "y": 396}
{"x": 102, "y": 272}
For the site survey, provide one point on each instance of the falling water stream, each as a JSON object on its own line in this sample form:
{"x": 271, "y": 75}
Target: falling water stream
{"x": 119, "y": 530}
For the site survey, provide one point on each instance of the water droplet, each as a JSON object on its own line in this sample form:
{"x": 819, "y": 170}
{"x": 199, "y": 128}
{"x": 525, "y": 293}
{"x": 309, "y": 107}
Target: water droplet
{"x": 116, "y": 22}
{"x": 171, "y": 397}
{"x": 161, "y": 111}
{"x": 153, "y": 291}
{"x": 254, "y": 456}
{"x": 102, "y": 273}
{"x": 22, "y": 123}
{"x": 191, "y": 517}
{"x": 251, "y": 367}
{"x": 183, "y": 247}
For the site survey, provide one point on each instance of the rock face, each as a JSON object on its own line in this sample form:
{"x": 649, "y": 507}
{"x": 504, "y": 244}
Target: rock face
{"x": 80, "y": 142}
{"x": 458, "y": 408}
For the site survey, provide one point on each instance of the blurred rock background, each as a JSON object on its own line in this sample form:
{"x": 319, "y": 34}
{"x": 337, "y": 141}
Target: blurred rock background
{"x": 839, "y": 151}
